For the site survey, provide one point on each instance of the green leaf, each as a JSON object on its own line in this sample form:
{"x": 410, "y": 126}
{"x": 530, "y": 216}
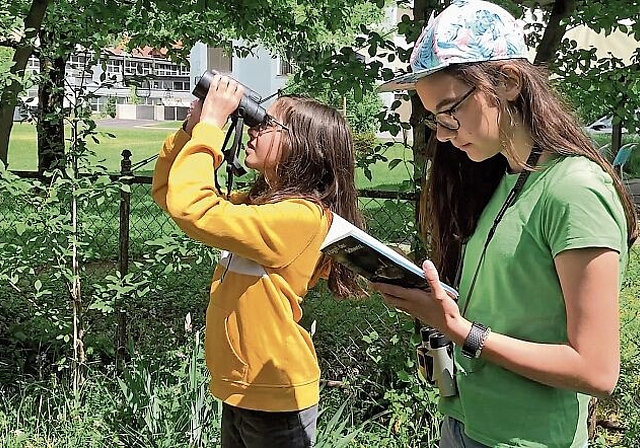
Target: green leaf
{"x": 20, "y": 228}
{"x": 394, "y": 163}
{"x": 357, "y": 92}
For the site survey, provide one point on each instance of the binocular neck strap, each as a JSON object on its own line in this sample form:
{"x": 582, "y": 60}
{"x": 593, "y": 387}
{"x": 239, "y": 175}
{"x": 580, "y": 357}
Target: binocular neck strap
{"x": 231, "y": 154}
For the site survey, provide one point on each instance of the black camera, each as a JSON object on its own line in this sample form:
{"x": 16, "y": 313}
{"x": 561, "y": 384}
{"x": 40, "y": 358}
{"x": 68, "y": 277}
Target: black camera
{"x": 249, "y": 108}
{"x": 435, "y": 361}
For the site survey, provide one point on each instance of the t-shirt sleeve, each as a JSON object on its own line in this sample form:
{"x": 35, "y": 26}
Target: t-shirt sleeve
{"x": 583, "y": 209}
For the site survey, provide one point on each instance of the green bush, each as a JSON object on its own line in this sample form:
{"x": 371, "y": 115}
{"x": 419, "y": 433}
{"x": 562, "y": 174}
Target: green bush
{"x": 361, "y": 114}
{"x": 364, "y": 142}
{"x": 110, "y": 108}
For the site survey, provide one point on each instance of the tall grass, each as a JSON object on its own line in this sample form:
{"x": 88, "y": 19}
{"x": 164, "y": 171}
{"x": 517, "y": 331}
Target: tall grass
{"x": 161, "y": 398}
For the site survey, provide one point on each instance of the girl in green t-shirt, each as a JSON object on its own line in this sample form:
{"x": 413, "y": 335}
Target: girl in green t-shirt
{"x": 529, "y": 222}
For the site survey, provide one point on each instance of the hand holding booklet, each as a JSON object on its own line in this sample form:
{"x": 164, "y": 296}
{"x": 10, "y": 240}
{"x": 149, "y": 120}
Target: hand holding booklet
{"x": 357, "y": 250}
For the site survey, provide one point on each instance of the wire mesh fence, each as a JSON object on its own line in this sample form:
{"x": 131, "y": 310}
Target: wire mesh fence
{"x": 119, "y": 234}
{"x": 388, "y": 216}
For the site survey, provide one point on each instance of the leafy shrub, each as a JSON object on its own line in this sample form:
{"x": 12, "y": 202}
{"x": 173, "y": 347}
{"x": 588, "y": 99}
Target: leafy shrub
{"x": 362, "y": 114}
{"x": 364, "y": 142}
{"x": 110, "y": 109}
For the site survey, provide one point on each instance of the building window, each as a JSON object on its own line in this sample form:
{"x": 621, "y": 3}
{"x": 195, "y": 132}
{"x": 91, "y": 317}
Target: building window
{"x": 130, "y": 67}
{"x": 285, "y": 68}
{"x": 219, "y": 59}
{"x": 144, "y": 68}
{"x": 114, "y": 66}
{"x": 181, "y": 85}
{"x": 33, "y": 64}
{"x": 163, "y": 69}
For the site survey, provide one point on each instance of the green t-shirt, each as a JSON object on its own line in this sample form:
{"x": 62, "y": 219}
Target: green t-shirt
{"x": 571, "y": 203}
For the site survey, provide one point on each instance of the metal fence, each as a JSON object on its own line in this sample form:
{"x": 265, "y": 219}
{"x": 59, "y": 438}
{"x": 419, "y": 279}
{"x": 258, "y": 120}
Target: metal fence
{"x": 116, "y": 236}
{"x": 121, "y": 230}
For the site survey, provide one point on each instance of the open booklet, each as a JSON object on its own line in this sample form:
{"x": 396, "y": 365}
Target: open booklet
{"x": 372, "y": 259}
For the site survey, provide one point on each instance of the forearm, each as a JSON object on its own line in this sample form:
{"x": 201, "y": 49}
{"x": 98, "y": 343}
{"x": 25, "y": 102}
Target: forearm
{"x": 170, "y": 149}
{"x": 190, "y": 178}
{"x": 555, "y": 365}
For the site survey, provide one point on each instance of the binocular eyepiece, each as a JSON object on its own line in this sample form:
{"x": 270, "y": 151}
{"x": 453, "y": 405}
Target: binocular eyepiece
{"x": 249, "y": 108}
{"x": 435, "y": 361}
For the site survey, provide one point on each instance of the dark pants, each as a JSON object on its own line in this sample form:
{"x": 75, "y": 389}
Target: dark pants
{"x": 244, "y": 428}
{"x": 452, "y": 435}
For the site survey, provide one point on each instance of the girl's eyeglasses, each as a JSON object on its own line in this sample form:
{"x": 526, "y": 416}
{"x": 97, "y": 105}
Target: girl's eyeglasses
{"x": 445, "y": 118}
{"x": 268, "y": 123}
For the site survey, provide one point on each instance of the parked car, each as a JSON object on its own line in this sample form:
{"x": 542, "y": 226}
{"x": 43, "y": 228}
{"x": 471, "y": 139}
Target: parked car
{"x": 602, "y": 125}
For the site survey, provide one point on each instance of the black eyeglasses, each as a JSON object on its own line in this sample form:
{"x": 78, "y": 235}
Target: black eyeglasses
{"x": 445, "y": 118}
{"x": 267, "y": 123}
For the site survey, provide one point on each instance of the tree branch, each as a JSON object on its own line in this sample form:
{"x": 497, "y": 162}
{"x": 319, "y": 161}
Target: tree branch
{"x": 9, "y": 44}
{"x": 555, "y": 30}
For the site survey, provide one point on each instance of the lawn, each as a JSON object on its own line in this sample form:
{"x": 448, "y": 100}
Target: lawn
{"x": 142, "y": 141}
{"x": 145, "y": 141}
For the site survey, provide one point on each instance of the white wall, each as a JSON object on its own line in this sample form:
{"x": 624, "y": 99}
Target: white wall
{"x": 197, "y": 62}
{"x": 259, "y": 72}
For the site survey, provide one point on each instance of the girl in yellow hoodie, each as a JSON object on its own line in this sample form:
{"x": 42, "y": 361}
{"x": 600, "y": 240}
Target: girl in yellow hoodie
{"x": 263, "y": 364}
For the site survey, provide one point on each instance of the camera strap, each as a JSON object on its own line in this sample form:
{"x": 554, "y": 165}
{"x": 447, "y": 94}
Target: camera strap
{"x": 532, "y": 160}
{"x": 234, "y": 168}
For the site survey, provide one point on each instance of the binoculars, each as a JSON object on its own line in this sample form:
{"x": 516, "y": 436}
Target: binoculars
{"x": 435, "y": 361}
{"x": 249, "y": 108}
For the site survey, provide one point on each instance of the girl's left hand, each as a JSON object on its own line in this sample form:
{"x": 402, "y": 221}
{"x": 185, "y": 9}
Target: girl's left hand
{"x": 221, "y": 101}
{"x": 435, "y": 308}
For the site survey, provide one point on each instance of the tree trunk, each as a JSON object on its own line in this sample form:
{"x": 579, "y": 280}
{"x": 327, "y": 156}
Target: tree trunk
{"x": 9, "y": 96}
{"x": 422, "y": 9}
{"x": 51, "y": 154}
{"x": 554, "y": 32}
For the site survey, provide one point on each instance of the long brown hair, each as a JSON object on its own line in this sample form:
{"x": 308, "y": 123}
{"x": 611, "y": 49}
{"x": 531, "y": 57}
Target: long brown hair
{"x": 458, "y": 189}
{"x": 316, "y": 163}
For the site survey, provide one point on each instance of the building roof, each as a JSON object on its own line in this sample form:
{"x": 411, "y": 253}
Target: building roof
{"x": 144, "y": 52}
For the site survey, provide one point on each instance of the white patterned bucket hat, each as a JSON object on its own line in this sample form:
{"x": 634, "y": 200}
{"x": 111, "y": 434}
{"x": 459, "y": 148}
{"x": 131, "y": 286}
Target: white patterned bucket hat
{"x": 466, "y": 31}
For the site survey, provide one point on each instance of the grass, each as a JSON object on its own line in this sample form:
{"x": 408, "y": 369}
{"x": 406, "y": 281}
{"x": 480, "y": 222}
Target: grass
{"x": 143, "y": 142}
{"x": 146, "y": 141}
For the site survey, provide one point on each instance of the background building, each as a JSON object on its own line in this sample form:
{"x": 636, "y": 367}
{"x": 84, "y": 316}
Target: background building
{"x": 146, "y": 84}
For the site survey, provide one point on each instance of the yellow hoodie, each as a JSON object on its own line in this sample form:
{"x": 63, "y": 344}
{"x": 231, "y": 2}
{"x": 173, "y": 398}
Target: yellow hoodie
{"x": 257, "y": 354}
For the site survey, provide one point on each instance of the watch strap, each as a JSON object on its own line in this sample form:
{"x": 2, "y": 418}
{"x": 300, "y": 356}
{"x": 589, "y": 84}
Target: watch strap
{"x": 473, "y": 344}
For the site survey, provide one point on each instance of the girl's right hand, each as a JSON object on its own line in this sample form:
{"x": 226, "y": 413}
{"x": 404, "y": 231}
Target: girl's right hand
{"x": 435, "y": 308}
{"x": 221, "y": 101}
{"x": 193, "y": 116}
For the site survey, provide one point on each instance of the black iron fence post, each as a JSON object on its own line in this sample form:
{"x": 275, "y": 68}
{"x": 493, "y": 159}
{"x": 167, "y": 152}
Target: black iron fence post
{"x": 126, "y": 175}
